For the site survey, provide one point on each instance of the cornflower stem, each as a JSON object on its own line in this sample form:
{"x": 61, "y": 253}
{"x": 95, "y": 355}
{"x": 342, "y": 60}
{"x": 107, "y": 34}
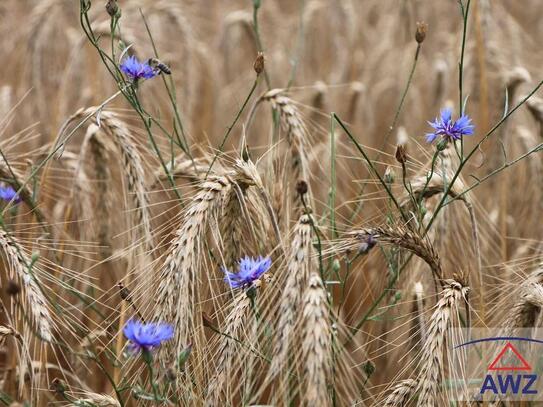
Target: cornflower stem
{"x": 251, "y": 293}
{"x": 109, "y": 378}
{"x": 465, "y": 13}
{"x": 229, "y": 129}
{"x": 147, "y": 357}
{"x": 536, "y": 149}
{"x": 332, "y": 201}
{"x": 170, "y": 88}
{"x": 299, "y": 45}
{"x": 391, "y": 128}
{"x": 372, "y": 167}
{"x": 376, "y": 303}
{"x": 16, "y": 185}
{"x": 128, "y": 89}
{"x": 256, "y": 30}
{"x": 407, "y": 187}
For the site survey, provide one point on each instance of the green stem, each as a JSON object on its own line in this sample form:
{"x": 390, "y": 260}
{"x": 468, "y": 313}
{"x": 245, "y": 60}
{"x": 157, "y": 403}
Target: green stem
{"x": 332, "y": 178}
{"x": 391, "y": 128}
{"x": 229, "y": 130}
{"x": 465, "y": 14}
{"x": 256, "y": 6}
{"x": 372, "y": 167}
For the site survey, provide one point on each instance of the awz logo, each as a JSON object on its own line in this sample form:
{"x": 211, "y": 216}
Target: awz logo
{"x": 511, "y": 383}
{"x": 509, "y": 374}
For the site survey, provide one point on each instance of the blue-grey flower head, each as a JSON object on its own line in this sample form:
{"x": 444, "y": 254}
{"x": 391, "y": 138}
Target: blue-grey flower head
{"x": 249, "y": 270}
{"x": 135, "y": 69}
{"x": 8, "y": 193}
{"x": 449, "y": 129}
{"x": 146, "y": 336}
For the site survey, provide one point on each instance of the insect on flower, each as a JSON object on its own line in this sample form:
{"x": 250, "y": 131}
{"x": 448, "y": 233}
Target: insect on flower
{"x": 145, "y": 337}
{"x": 135, "y": 69}
{"x": 249, "y": 270}
{"x": 449, "y": 129}
{"x": 159, "y": 66}
{"x": 8, "y": 193}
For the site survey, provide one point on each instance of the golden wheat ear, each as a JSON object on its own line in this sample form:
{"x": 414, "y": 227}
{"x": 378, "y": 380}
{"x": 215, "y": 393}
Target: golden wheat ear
{"x": 431, "y": 372}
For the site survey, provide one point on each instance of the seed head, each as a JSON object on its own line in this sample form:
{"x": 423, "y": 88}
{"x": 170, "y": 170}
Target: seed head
{"x": 420, "y": 34}
{"x": 124, "y": 292}
{"x": 58, "y": 386}
{"x": 13, "y": 288}
{"x": 259, "y": 63}
{"x": 336, "y": 266}
{"x": 369, "y": 368}
{"x": 302, "y": 187}
{"x": 401, "y": 146}
{"x": 112, "y": 8}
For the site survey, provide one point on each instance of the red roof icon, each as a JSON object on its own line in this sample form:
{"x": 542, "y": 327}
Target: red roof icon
{"x": 523, "y": 364}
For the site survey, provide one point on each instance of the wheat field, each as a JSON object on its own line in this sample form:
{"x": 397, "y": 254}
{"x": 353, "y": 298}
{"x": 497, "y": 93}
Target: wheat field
{"x": 265, "y": 202}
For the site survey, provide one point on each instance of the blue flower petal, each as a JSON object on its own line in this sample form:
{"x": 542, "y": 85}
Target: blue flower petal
{"x": 146, "y": 336}
{"x": 135, "y": 69}
{"x": 249, "y": 270}
{"x": 445, "y": 127}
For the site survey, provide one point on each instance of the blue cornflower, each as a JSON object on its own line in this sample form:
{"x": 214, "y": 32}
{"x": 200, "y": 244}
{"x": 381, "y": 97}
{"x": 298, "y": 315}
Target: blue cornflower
{"x": 249, "y": 270}
{"x": 136, "y": 69}
{"x": 146, "y": 336}
{"x": 8, "y": 193}
{"x": 445, "y": 127}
